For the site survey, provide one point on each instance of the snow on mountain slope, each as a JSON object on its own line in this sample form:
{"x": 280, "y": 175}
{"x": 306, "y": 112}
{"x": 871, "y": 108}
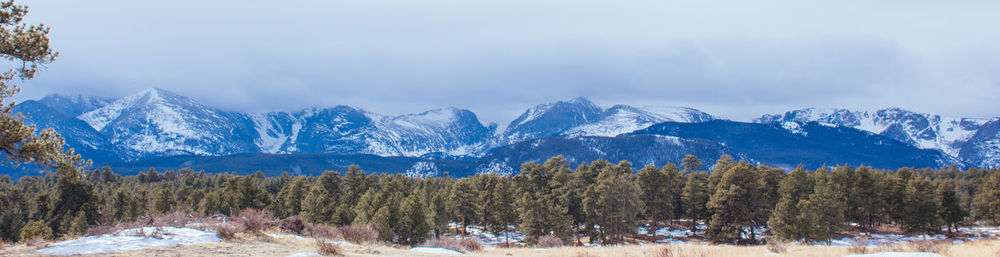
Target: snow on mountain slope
{"x": 550, "y": 119}
{"x": 621, "y": 119}
{"x": 925, "y": 131}
{"x": 345, "y": 129}
{"x": 159, "y": 122}
{"x": 453, "y": 131}
{"x": 73, "y": 105}
{"x": 983, "y": 148}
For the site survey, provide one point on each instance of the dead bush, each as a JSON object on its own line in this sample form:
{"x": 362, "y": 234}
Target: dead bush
{"x": 931, "y": 246}
{"x": 327, "y": 248}
{"x": 3, "y": 244}
{"x": 172, "y": 219}
{"x": 776, "y": 245}
{"x": 226, "y": 231}
{"x": 293, "y": 224}
{"x": 322, "y": 231}
{"x": 101, "y": 230}
{"x": 255, "y": 221}
{"x": 664, "y": 251}
{"x": 549, "y": 241}
{"x": 359, "y": 234}
{"x": 858, "y": 246}
{"x": 446, "y": 242}
{"x": 470, "y": 244}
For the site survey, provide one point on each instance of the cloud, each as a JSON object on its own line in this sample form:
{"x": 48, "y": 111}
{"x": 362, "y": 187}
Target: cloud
{"x": 734, "y": 59}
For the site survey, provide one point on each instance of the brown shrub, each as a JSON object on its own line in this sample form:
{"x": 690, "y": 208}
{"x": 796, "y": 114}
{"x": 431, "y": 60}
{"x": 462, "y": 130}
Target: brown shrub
{"x": 328, "y": 249}
{"x": 322, "y": 231}
{"x": 549, "y": 241}
{"x": 664, "y": 251}
{"x": 582, "y": 254}
{"x": 359, "y": 234}
{"x": 858, "y": 246}
{"x": 3, "y": 244}
{"x": 226, "y": 232}
{"x": 931, "y": 246}
{"x": 776, "y": 245}
{"x": 446, "y": 242}
{"x": 172, "y": 219}
{"x": 470, "y": 244}
{"x": 255, "y": 221}
{"x": 101, "y": 230}
{"x": 293, "y": 224}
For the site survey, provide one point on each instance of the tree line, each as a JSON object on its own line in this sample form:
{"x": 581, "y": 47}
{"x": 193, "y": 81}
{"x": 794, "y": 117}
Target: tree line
{"x": 598, "y": 202}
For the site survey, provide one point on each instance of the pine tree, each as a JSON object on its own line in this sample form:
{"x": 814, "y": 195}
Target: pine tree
{"x": 414, "y": 223}
{"x": 949, "y": 210}
{"x": 73, "y": 195}
{"x": 318, "y": 205}
{"x": 986, "y": 204}
{"x": 464, "y": 203}
{"x": 14, "y": 213}
{"x": 504, "y": 213}
{"x": 542, "y": 209}
{"x": 734, "y": 204}
{"x": 823, "y": 213}
{"x": 920, "y": 208}
{"x": 163, "y": 201}
{"x": 654, "y": 185}
{"x": 695, "y": 196}
{"x": 784, "y": 222}
{"x": 614, "y": 204}
{"x": 124, "y": 206}
{"x": 381, "y": 222}
{"x": 290, "y": 197}
{"x": 691, "y": 164}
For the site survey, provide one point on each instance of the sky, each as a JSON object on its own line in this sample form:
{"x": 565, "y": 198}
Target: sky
{"x": 732, "y": 59}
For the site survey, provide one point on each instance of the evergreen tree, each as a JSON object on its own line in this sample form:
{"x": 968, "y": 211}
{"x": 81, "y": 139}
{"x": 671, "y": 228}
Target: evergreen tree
{"x": 73, "y": 195}
{"x": 654, "y": 185}
{"x": 691, "y": 164}
{"x": 504, "y": 213}
{"x": 613, "y": 204}
{"x": 734, "y": 204}
{"x": 823, "y": 213}
{"x": 920, "y": 207}
{"x": 949, "y": 210}
{"x": 318, "y": 205}
{"x": 14, "y": 213}
{"x": 125, "y": 206}
{"x": 464, "y": 203}
{"x": 986, "y": 205}
{"x": 784, "y": 222}
{"x": 415, "y": 227}
{"x": 695, "y": 196}
{"x": 163, "y": 201}
{"x": 541, "y": 210}
{"x": 290, "y": 198}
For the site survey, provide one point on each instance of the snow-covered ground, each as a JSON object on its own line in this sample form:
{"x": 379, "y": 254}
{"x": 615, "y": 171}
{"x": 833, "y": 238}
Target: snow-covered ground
{"x": 896, "y": 254}
{"x": 132, "y": 239}
{"x": 435, "y": 250}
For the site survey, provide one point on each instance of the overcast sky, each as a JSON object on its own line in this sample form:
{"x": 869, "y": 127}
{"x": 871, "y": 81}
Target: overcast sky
{"x": 733, "y": 59}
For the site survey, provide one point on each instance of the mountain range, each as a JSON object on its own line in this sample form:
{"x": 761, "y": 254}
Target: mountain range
{"x": 160, "y": 129}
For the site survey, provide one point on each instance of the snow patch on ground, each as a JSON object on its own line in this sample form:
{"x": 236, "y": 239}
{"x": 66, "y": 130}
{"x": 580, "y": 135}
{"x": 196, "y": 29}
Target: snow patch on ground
{"x": 896, "y": 254}
{"x": 435, "y": 250}
{"x": 132, "y": 239}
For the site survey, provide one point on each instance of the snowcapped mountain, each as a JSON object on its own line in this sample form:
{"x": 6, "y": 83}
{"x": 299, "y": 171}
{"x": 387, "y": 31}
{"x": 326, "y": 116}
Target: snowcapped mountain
{"x": 344, "y": 129}
{"x": 73, "y": 105}
{"x": 926, "y": 131}
{"x": 156, "y": 122}
{"x": 581, "y": 117}
{"x": 983, "y": 148}
{"x": 621, "y": 119}
{"x": 551, "y": 119}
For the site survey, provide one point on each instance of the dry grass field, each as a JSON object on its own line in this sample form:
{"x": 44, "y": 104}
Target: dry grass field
{"x": 285, "y": 245}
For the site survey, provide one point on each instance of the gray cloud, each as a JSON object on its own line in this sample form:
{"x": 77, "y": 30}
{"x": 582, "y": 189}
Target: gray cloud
{"x": 734, "y": 59}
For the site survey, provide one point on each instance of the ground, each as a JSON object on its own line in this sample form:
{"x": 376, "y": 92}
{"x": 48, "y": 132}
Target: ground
{"x": 282, "y": 244}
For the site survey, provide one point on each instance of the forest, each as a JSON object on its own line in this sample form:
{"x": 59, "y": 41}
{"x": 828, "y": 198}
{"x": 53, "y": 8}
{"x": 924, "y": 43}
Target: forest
{"x": 599, "y": 202}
